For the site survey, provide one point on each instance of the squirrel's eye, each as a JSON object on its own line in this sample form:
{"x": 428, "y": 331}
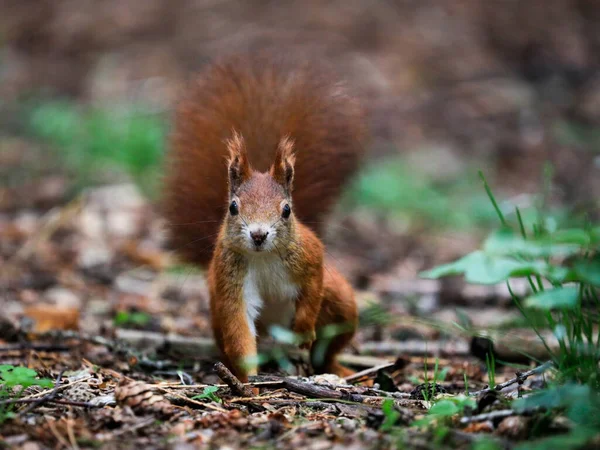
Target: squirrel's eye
{"x": 286, "y": 211}
{"x": 233, "y": 208}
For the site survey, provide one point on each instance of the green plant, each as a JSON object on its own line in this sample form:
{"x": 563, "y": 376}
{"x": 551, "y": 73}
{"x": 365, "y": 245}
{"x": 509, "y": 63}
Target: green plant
{"x": 491, "y": 369}
{"x": 209, "y": 393}
{"x": 438, "y": 376}
{"x": 579, "y": 403}
{"x": 391, "y": 416}
{"x": 562, "y": 267}
{"x": 485, "y": 443}
{"x": 95, "y": 139}
{"x": 135, "y": 318}
{"x": 445, "y": 409}
{"x": 11, "y": 378}
{"x": 393, "y": 187}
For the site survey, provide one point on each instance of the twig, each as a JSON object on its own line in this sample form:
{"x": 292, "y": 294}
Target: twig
{"x": 58, "y": 401}
{"x": 488, "y": 416}
{"x": 388, "y": 394}
{"x": 272, "y": 384}
{"x": 63, "y": 401}
{"x": 47, "y": 397}
{"x": 368, "y": 372}
{"x": 35, "y": 347}
{"x": 195, "y": 402}
{"x": 518, "y": 379}
{"x": 315, "y": 391}
{"x": 236, "y": 385}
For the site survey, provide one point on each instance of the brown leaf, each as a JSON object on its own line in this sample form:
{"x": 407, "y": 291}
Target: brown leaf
{"x": 50, "y": 317}
{"x": 478, "y": 427}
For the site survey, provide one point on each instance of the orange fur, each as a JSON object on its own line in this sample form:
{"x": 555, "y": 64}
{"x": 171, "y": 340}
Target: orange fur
{"x": 302, "y": 133}
{"x": 264, "y": 97}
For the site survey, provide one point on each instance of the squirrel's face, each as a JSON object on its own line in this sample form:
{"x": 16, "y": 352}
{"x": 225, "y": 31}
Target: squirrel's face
{"x": 260, "y": 217}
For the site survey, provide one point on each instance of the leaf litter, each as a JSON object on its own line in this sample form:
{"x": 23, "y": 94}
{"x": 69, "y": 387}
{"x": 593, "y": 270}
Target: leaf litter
{"x": 95, "y": 301}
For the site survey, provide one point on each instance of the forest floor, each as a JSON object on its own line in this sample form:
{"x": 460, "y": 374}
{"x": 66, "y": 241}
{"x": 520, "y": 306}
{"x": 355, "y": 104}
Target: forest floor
{"x": 94, "y": 301}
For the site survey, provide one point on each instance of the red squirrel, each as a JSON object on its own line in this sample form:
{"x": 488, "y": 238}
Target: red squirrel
{"x": 261, "y": 148}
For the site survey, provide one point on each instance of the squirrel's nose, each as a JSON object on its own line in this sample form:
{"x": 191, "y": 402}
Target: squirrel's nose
{"x": 258, "y": 237}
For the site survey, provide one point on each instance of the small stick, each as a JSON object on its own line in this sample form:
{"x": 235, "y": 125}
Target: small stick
{"x": 236, "y": 385}
{"x": 195, "y": 402}
{"x": 368, "y": 372}
{"x": 34, "y": 347}
{"x": 271, "y": 384}
{"x": 488, "y": 416}
{"x": 518, "y": 379}
{"x": 57, "y": 401}
{"x": 47, "y": 397}
{"x": 321, "y": 392}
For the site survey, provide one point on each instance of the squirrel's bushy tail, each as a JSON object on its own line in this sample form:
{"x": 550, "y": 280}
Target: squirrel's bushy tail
{"x": 264, "y": 97}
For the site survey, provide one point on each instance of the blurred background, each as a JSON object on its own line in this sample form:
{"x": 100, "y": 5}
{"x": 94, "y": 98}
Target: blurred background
{"x": 87, "y": 89}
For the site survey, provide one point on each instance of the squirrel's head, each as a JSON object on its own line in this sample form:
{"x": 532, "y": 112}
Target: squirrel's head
{"x": 260, "y": 218}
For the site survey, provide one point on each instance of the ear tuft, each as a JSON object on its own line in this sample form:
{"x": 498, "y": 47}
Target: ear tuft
{"x": 283, "y": 167}
{"x": 239, "y": 167}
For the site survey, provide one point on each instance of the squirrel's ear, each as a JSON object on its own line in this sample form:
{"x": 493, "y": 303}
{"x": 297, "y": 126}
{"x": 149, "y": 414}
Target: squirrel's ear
{"x": 239, "y": 167}
{"x": 283, "y": 168}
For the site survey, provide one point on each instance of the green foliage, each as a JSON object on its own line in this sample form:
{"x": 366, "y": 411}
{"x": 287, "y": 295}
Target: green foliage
{"x": 485, "y": 443}
{"x": 391, "y": 416}
{"x": 445, "y": 409}
{"x": 209, "y": 393}
{"x": 557, "y": 298}
{"x": 393, "y": 187}
{"x": 136, "y": 318}
{"x": 97, "y": 139}
{"x": 11, "y": 376}
{"x": 491, "y": 369}
{"x": 563, "y": 270}
{"x": 579, "y": 403}
{"x": 506, "y": 255}
{"x": 13, "y": 381}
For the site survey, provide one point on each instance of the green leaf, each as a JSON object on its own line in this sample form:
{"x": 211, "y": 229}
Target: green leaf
{"x": 573, "y": 440}
{"x": 486, "y": 443}
{"x": 131, "y": 318}
{"x": 581, "y": 402}
{"x": 588, "y": 271}
{"x": 480, "y": 268}
{"x": 557, "y": 298}
{"x": 283, "y": 335}
{"x": 575, "y": 236}
{"x": 209, "y": 393}
{"x": 444, "y": 408}
{"x": 507, "y": 242}
{"x": 21, "y": 376}
{"x": 390, "y": 413}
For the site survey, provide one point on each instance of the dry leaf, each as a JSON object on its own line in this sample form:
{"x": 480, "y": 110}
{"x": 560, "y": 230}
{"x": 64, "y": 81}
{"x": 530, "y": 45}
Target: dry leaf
{"x": 50, "y": 317}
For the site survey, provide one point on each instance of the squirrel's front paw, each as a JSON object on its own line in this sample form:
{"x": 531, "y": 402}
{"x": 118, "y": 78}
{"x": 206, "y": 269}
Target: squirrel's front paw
{"x": 306, "y": 339}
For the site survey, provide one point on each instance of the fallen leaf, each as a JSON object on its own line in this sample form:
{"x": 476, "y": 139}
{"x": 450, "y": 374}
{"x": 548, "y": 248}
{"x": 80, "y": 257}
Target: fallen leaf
{"x": 50, "y": 317}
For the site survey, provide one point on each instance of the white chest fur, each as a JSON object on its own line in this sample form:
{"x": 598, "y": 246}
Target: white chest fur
{"x": 269, "y": 293}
